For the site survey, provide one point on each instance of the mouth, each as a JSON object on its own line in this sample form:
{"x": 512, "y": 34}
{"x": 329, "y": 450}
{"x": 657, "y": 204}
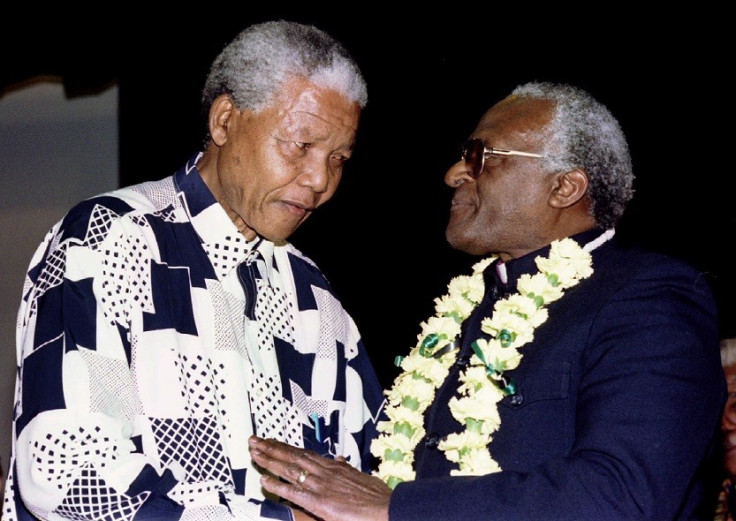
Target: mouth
{"x": 729, "y": 439}
{"x": 298, "y": 208}
{"x": 459, "y": 204}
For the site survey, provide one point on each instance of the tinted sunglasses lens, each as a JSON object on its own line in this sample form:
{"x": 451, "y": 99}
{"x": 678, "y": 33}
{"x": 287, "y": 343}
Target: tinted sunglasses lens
{"x": 473, "y": 151}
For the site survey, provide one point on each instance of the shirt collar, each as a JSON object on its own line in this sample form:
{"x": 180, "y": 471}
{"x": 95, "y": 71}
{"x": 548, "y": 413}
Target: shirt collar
{"x": 511, "y": 270}
{"x": 225, "y": 245}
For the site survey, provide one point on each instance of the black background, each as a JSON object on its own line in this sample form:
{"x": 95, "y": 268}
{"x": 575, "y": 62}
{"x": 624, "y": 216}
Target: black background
{"x": 431, "y": 74}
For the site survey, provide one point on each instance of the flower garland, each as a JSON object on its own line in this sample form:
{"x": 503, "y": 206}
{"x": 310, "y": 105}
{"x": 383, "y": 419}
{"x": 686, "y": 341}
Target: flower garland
{"x": 484, "y": 382}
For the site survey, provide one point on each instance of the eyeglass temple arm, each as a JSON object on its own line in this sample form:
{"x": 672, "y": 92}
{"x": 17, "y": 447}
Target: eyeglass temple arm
{"x": 502, "y": 152}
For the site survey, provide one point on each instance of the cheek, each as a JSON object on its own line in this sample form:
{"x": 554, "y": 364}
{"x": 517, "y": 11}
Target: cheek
{"x": 333, "y": 182}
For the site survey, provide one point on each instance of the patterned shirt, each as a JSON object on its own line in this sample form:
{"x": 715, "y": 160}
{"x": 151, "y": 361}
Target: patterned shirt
{"x": 152, "y": 340}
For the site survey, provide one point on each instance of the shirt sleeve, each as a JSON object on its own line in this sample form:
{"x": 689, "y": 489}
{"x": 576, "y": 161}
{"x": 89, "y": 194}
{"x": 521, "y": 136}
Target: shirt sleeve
{"x": 76, "y": 452}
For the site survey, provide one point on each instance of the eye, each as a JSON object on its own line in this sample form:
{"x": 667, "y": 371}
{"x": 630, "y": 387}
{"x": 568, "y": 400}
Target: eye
{"x": 493, "y": 159}
{"x": 338, "y": 159}
{"x": 301, "y": 145}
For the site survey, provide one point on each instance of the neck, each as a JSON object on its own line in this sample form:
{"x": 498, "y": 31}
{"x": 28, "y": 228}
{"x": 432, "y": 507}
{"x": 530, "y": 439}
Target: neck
{"x": 544, "y": 241}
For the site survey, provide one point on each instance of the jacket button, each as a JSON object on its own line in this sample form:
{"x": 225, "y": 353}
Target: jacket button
{"x": 517, "y": 399}
{"x": 462, "y": 361}
{"x": 431, "y": 441}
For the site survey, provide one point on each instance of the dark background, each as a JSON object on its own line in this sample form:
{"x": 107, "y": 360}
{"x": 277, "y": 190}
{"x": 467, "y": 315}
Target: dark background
{"x": 431, "y": 74}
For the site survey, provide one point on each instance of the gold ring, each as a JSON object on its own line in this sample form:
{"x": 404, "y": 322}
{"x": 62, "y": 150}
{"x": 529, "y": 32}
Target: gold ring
{"x": 302, "y": 476}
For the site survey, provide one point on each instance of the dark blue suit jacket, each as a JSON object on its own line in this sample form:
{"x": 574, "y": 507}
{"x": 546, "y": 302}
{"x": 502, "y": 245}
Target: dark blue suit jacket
{"x": 618, "y": 407}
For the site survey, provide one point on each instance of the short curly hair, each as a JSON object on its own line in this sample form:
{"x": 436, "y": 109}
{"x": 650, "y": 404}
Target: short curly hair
{"x": 254, "y": 66}
{"x": 584, "y": 134}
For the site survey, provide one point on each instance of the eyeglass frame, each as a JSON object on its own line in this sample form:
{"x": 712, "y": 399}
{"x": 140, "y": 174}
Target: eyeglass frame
{"x": 476, "y": 167}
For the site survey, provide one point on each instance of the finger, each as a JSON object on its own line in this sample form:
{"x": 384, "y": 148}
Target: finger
{"x": 302, "y": 478}
{"x": 276, "y": 450}
{"x": 289, "y": 463}
{"x": 298, "y": 495}
{"x": 291, "y": 471}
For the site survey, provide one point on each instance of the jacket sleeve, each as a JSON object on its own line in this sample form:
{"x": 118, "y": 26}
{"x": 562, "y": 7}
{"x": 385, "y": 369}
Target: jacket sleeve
{"x": 648, "y": 406}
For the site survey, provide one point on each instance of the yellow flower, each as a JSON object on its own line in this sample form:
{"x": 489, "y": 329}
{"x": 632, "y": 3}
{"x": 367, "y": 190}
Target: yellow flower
{"x": 398, "y": 413}
{"x": 457, "y": 441}
{"x": 501, "y": 358}
{"x": 454, "y": 304}
{"x": 464, "y": 408}
{"x": 443, "y": 326}
{"x": 399, "y": 469}
{"x": 575, "y": 255}
{"x": 476, "y": 463}
{"x": 568, "y": 261}
{"x": 522, "y": 328}
{"x": 417, "y": 388}
{"x": 481, "y": 265}
{"x": 522, "y": 307}
{"x": 469, "y": 287}
{"x": 428, "y": 367}
{"x": 539, "y": 286}
{"x": 510, "y": 326}
{"x": 473, "y": 377}
{"x": 402, "y": 443}
{"x": 490, "y": 394}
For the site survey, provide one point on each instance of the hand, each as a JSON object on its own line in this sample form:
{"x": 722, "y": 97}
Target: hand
{"x": 301, "y": 516}
{"x": 330, "y": 489}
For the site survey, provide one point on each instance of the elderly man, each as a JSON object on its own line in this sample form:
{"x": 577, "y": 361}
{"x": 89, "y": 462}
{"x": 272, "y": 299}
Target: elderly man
{"x": 567, "y": 376}
{"x": 164, "y": 323}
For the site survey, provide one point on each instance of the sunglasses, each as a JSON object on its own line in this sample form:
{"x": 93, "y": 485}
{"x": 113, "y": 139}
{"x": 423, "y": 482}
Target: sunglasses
{"x": 474, "y": 153}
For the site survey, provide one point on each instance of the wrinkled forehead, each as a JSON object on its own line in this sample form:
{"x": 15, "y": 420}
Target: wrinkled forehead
{"x": 304, "y": 103}
{"x": 308, "y": 126}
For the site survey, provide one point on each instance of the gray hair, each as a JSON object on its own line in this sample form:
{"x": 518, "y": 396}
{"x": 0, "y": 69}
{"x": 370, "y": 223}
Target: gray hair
{"x": 254, "y": 66}
{"x": 584, "y": 134}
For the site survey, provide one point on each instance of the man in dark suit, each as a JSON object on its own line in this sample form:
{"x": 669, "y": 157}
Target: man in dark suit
{"x": 569, "y": 377}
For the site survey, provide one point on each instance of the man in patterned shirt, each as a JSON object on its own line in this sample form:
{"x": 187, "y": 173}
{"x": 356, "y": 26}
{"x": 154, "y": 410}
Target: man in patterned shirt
{"x": 163, "y": 324}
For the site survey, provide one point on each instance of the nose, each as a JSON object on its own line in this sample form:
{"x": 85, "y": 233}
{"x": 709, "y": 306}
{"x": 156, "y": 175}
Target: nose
{"x": 316, "y": 176}
{"x": 458, "y": 174}
{"x": 728, "y": 419}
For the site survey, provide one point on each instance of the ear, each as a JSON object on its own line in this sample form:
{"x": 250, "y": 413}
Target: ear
{"x": 570, "y": 187}
{"x": 221, "y": 112}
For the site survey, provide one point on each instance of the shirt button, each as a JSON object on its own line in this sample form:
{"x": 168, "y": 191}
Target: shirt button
{"x": 517, "y": 399}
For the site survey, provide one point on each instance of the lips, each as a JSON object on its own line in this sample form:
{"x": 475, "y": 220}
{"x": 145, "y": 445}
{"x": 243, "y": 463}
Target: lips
{"x": 729, "y": 437}
{"x": 460, "y": 203}
{"x": 298, "y": 208}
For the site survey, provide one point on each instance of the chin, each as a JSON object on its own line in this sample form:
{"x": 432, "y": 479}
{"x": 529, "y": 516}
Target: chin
{"x": 277, "y": 237}
{"x": 464, "y": 244}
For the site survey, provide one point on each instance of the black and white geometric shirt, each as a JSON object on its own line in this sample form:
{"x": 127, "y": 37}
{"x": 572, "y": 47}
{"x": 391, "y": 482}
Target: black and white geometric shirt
{"x": 152, "y": 340}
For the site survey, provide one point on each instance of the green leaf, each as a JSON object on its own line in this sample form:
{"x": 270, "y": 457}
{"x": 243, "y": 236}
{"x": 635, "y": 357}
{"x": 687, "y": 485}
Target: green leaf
{"x": 393, "y": 481}
{"x": 410, "y": 403}
{"x": 473, "y": 425}
{"x": 393, "y": 455}
{"x": 404, "y": 428}
{"x": 456, "y": 316}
